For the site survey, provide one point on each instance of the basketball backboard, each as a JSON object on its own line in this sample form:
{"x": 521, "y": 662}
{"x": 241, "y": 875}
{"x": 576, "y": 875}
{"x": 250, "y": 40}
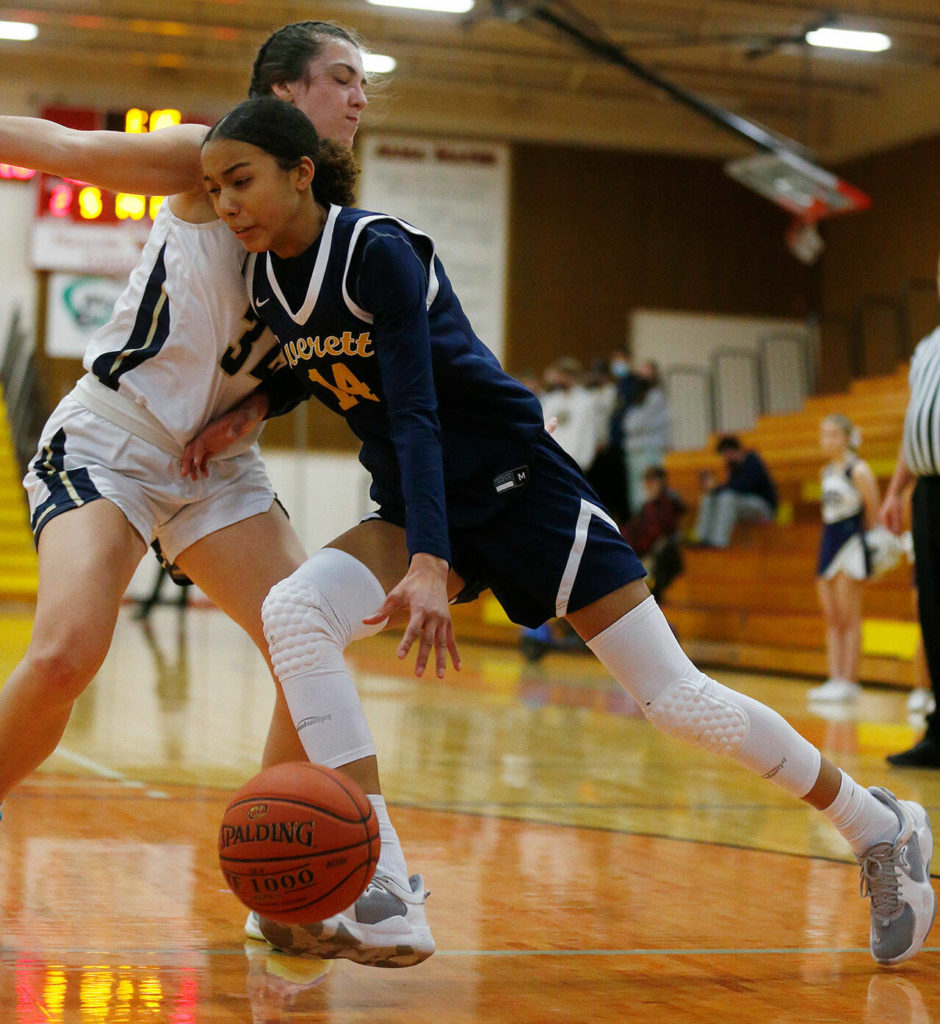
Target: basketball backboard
{"x": 798, "y": 185}
{"x": 802, "y": 188}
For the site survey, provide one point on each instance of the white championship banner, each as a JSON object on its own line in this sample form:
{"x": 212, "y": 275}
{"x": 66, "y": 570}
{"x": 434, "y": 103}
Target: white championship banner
{"x": 456, "y": 191}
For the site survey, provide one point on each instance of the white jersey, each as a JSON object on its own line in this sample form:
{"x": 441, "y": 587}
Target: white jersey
{"x": 182, "y": 346}
{"x": 841, "y": 499}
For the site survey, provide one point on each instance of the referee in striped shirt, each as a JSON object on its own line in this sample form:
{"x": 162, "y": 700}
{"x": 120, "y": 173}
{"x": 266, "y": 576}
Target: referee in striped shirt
{"x": 919, "y": 463}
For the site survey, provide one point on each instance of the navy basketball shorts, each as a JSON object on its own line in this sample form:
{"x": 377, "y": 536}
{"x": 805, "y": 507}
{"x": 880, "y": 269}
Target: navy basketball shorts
{"x": 552, "y": 549}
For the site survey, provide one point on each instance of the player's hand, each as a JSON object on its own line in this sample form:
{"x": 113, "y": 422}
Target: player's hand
{"x": 891, "y": 513}
{"x": 221, "y": 434}
{"x": 423, "y": 593}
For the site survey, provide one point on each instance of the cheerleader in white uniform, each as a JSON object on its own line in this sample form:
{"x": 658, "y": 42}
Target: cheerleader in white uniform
{"x": 849, "y": 503}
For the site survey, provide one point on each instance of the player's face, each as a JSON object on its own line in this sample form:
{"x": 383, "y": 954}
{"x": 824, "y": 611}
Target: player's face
{"x": 831, "y": 438}
{"x": 265, "y": 206}
{"x": 333, "y": 95}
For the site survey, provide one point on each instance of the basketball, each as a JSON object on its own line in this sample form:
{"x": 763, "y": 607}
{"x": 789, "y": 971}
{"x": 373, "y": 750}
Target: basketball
{"x": 299, "y": 842}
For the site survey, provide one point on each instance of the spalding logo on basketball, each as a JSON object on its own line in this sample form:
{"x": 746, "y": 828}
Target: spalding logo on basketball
{"x": 299, "y": 842}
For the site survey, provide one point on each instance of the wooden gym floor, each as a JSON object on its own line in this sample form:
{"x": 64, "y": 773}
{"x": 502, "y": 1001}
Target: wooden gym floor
{"x": 582, "y": 867}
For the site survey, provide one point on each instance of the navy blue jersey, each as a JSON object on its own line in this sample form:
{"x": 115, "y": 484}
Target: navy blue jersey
{"x": 370, "y": 325}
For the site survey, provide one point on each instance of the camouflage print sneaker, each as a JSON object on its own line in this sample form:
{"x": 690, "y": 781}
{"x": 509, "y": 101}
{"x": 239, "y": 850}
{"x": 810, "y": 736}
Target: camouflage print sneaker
{"x": 896, "y": 877}
{"x": 385, "y": 927}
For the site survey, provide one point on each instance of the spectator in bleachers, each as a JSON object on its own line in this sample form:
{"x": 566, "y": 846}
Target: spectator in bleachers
{"x": 849, "y": 504}
{"x": 532, "y": 381}
{"x": 569, "y": 402}
{"x": 625, "y": 379}
{"x": 647, "y": 429}
{"x": 653, "y": 532}
{"x": 747, "y": 495}
{"x": 606, "y": 473}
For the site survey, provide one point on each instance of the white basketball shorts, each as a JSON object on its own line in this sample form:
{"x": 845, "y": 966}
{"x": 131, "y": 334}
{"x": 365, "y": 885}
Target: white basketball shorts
{"x": 82, "y": 457}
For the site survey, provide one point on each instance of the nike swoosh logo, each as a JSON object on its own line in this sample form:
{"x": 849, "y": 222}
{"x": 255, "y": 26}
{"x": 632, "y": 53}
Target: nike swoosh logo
{"x": 261, "y": 302}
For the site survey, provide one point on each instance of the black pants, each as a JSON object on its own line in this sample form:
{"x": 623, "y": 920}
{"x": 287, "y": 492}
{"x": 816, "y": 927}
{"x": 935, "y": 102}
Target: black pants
{"x": 925, "y": 531}
{"x": 607, "y": 474}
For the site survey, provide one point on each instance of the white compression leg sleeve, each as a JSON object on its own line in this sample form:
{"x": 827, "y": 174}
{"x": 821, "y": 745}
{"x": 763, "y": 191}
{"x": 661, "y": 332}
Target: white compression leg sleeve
{"x": 309, "y": 619}
{"x": 642, "y": 654}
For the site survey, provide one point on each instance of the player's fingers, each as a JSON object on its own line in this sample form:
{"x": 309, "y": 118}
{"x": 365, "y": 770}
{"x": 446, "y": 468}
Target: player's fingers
{"x": 424, "y": 650}
{"x": 197, "y": 462}
{"x": 412, "y": 632}
{"x": 452, "y": 647}
{"x": 389, "y": 607}
{"x": 440, "y": 651}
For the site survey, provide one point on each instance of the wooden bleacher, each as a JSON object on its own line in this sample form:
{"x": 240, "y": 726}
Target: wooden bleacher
{"x": 754, "y": 606}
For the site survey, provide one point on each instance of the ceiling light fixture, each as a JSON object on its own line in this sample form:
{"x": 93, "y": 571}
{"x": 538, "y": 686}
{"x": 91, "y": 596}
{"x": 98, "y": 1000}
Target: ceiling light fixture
{"x": 445, "y": 6}
{"x": 21, "y": 30}
{"x": 378, "y": 63}
{"x": 847, "y": 39}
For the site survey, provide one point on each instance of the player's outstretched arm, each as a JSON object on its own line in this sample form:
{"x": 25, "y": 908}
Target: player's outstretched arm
{"x": 164, "y": 162}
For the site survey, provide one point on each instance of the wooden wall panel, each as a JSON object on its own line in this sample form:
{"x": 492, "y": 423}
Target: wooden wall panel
{"x": 596, "y": 234}
{"x": 876, "y": 255}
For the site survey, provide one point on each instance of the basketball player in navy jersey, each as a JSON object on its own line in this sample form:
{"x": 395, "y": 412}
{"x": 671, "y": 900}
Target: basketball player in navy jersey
{"x": 472, "y": 493}
{"x": 105, "y": 481}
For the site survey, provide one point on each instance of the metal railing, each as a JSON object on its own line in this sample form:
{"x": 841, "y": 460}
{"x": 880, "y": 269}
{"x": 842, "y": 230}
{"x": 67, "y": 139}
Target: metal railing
{"x": 22, "y": 392}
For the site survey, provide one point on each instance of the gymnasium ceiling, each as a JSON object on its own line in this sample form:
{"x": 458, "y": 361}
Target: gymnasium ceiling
{"x": 483, "y": 75}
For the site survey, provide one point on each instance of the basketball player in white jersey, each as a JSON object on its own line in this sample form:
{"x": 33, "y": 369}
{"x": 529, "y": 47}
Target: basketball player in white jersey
{"x": 181, "y": 349}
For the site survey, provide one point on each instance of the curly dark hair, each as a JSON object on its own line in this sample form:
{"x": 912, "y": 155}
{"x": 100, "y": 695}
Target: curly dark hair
{"x": 282, "y": 131}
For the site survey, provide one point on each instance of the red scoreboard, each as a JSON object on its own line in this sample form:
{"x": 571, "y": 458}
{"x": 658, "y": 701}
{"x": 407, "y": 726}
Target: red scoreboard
{"x": 79, "y": 226}
{"x": 79, "y": 202}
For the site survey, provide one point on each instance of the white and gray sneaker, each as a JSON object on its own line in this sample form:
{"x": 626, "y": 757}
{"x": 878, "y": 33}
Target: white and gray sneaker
{"x": 921, "y": 702}
{"x": 835, "y": 690}
{"x": 896, "y": 877}
{"x": 253, "y": 926}
{"x": 385, "y": 927}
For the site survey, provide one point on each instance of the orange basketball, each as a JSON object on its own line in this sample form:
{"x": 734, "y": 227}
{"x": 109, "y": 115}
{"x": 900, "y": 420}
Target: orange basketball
{"x": 299, "y": 842}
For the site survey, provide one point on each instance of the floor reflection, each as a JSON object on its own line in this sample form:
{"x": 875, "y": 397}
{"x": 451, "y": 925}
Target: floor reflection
{"x": 582, "y": 866}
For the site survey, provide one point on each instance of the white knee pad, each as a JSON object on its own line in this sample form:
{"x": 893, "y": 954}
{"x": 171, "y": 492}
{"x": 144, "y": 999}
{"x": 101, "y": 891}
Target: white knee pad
{"x": 319, "y": 606}
{"x": 697, "y": 713}
{"x": 309, "y": 619}
{"x": 716, "y": 718}
{"x": 642, "y": 654}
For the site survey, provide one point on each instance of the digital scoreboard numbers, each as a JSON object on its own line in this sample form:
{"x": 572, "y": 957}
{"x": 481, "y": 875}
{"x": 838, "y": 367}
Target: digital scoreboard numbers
{"x": 66, "y": 199}
{"x": 81, "y": 228}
